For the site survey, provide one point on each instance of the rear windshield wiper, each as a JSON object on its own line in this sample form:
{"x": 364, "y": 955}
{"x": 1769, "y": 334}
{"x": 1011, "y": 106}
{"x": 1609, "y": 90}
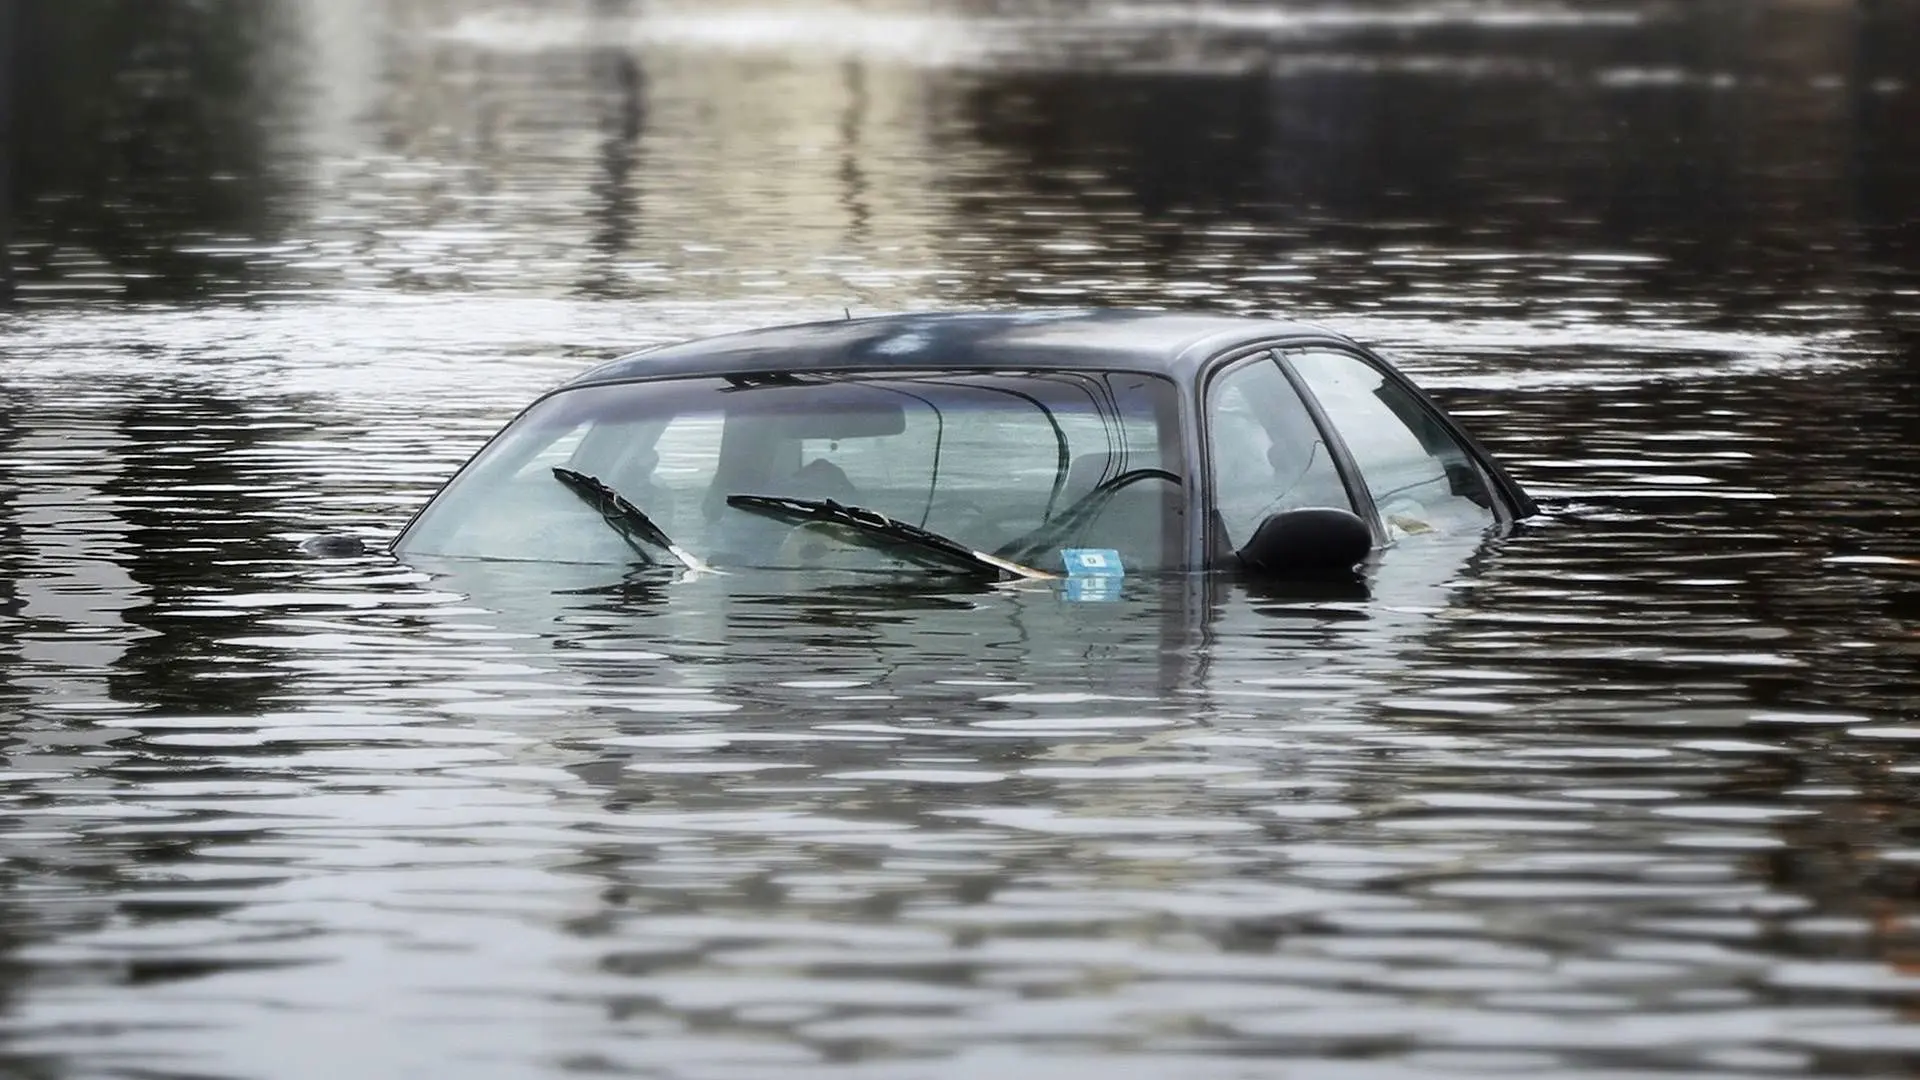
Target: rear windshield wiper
{"x": 631, "y": 522}
{"x": 874, "y": 525}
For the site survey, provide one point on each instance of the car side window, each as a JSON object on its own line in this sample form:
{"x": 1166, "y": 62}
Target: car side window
{"x": 1267, "y": 453}
{"x": 1421, "y": 477}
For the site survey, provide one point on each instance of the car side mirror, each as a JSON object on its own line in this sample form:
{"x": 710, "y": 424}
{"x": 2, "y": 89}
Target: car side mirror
{"x": 1314, "y": 541}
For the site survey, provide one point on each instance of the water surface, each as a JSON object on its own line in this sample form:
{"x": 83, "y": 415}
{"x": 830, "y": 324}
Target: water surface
{"x": 1625, "y": 792}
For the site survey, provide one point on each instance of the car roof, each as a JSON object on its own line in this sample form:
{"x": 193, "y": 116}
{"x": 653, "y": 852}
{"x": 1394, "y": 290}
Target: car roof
{"x": 1158, "y": 342}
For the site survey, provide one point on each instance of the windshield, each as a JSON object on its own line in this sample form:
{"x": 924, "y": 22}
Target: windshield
{"x": 1000, "y": 463}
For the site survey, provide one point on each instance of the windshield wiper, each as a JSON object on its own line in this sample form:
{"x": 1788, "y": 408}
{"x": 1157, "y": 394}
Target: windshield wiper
{"x": 875, "y": 525}
{"x": 631, "y": 522}
{"x": 1078, "y": 513}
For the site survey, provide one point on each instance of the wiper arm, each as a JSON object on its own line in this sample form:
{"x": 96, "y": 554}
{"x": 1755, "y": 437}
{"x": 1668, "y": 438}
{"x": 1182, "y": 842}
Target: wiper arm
{"x": 628, "y": 520}
{"x": 878, "y": 526}
{"x": 1078, "y": 513}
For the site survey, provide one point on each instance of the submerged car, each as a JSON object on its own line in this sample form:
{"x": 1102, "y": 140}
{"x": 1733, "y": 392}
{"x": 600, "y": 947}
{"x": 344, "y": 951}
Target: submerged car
{"x": 1080, "y": 444}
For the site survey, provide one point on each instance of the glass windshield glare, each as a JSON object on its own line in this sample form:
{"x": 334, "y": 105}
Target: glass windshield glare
{"x": 1029, "y": 463}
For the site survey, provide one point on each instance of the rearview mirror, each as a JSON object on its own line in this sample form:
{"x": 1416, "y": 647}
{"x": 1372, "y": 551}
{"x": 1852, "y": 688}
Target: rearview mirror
{"x": 854, "y": 422}
{"x": 1312, "y": 541}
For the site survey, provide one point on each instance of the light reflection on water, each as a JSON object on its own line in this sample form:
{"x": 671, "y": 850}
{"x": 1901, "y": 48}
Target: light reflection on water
{"x": 1624, "y": 792}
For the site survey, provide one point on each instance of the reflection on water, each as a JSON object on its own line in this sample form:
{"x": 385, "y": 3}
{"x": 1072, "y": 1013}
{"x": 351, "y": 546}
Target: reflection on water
{"x": 1625, "y": 792}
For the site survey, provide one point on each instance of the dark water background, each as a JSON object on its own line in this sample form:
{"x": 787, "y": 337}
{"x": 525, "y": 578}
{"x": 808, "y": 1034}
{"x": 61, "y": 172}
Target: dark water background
{"x": 1637, "y": 790}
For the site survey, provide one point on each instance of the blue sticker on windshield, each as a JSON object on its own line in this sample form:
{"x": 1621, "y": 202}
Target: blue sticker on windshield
{"x": 1093, "y": 573}
{"x": 1092, "y": 562}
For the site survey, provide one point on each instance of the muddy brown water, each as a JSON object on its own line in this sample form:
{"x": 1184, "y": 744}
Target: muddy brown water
{"x": 1632, "y": 791}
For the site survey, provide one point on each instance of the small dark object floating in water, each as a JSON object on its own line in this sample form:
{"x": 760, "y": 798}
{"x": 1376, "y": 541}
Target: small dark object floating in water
{"x": 334, "y": 546}
{"x": 1083, "y": 445}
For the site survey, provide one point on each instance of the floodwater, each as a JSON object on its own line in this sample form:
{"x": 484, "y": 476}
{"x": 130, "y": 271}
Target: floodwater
{"x": 1636, "y": 790}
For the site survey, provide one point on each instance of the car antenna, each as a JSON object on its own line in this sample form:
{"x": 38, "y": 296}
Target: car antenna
{"x": 849, "y": 313}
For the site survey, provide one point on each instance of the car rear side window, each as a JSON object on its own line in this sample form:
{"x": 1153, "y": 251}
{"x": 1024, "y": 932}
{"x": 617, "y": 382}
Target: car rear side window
{"x": 1421, "y": 478}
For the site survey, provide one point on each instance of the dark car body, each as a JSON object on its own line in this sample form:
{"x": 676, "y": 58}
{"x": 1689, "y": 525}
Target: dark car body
{"x": 1226, "y": 392}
